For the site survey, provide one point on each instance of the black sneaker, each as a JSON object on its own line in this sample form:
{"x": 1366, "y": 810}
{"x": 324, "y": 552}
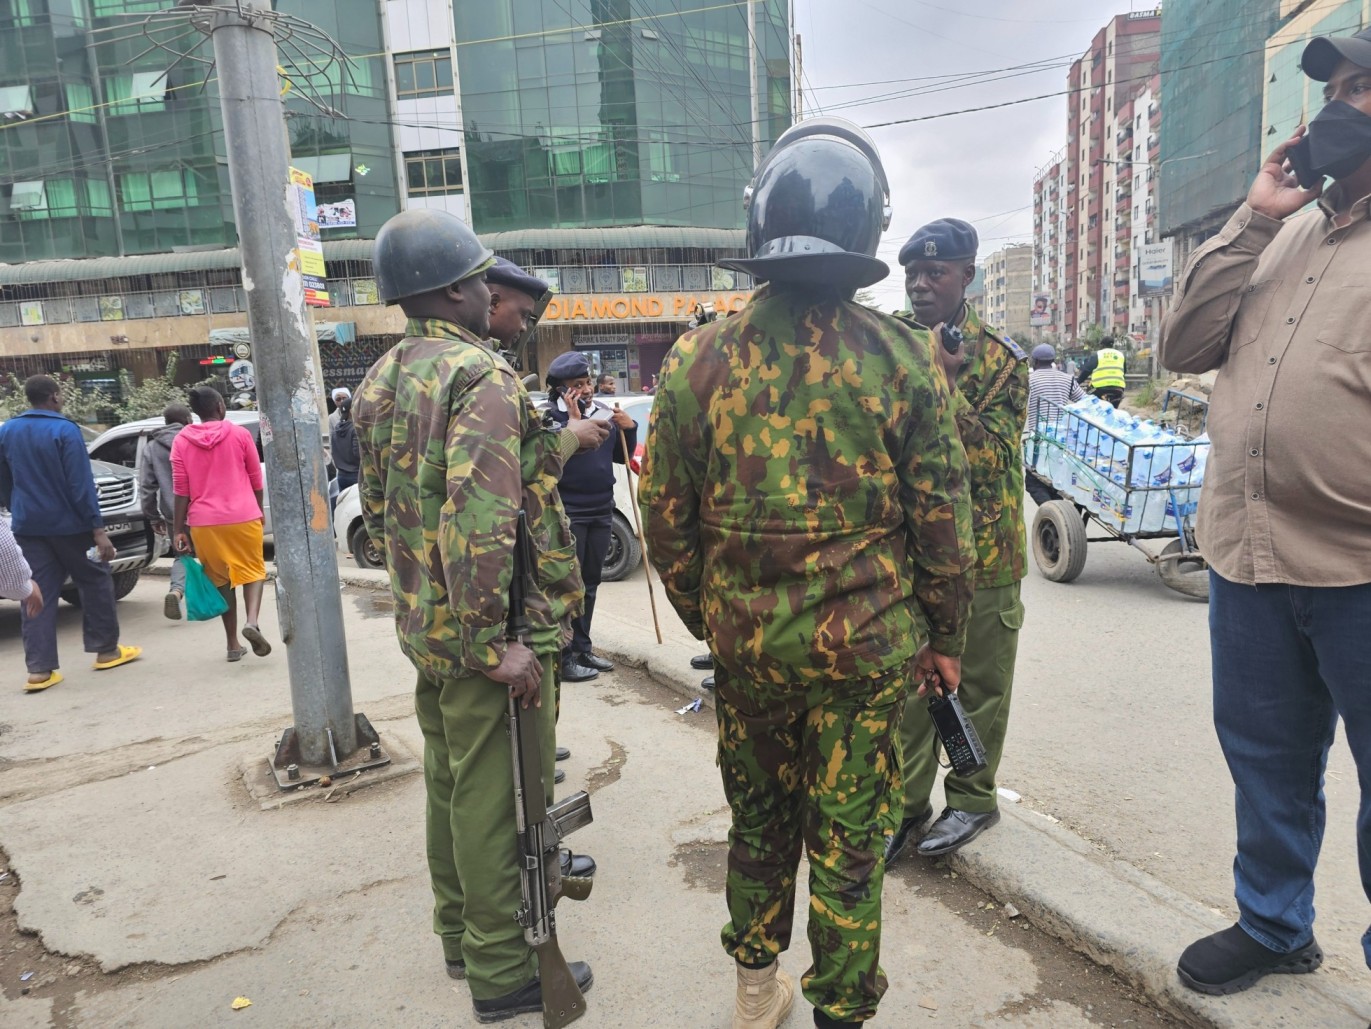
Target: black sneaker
{"x": 527, "y": 999}
{"x": 1231, "y": 961}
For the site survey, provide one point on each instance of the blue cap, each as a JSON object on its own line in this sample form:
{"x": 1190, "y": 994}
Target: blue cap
{"x": 507, "y": 273}
{"x": 1044, "y": 352}
{"x": 947, "y": 239}
{"x": 571, "y": 365}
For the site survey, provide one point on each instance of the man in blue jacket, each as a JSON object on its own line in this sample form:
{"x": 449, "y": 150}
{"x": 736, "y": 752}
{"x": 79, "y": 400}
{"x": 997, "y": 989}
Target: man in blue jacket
{"x": 46, "y": 482}
{"x": 587, "y": 489}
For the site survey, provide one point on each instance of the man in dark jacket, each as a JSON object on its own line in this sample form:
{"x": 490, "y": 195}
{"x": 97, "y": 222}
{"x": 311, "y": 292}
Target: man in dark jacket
{"x": 159, "y": 499}
{"x": 46, "y": 482}
{"x": 587, "y": 489}
{"x": 343, "y": 446}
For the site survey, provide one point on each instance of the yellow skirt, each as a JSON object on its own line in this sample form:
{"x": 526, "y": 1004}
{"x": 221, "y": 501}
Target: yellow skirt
{"x": 231, "y": 554}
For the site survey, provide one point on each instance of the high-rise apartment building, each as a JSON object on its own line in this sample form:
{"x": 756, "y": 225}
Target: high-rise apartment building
{"x": 1122, "y": 57}
{"x": 1009, "y": 289}
{"x": 1052, "y": 258}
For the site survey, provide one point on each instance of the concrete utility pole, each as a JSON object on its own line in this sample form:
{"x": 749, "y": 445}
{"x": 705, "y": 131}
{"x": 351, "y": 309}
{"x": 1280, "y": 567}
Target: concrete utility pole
{"x": 325, "y": 734}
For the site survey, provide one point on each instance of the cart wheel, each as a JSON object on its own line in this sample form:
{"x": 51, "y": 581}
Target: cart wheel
{"x": 1189, "y": 575}
{"x": 1059, "y": 541}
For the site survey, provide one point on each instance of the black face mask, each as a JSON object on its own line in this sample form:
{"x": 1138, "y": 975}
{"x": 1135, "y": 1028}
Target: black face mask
{"x": 1336, "y": 143}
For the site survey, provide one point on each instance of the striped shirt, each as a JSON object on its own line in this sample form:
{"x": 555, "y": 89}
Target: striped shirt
{"x": 15, "y": 574}
{"x": 1051, "y": 385}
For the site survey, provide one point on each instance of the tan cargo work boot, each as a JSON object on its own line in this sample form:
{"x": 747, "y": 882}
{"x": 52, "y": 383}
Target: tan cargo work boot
{"x": 764, "y": 997}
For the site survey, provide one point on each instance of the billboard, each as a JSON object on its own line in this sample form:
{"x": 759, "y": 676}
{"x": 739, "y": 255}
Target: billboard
{"x": 1041, "y": 312}
{"x": 1155, "y": 273}
{"x": 340, "y": 215}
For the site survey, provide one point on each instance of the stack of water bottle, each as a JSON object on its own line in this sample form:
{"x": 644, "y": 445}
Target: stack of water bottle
{"x": 1137, "y": 475}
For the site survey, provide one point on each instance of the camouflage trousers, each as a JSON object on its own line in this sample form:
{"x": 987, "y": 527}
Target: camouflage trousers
{"x": 811, "y": 765}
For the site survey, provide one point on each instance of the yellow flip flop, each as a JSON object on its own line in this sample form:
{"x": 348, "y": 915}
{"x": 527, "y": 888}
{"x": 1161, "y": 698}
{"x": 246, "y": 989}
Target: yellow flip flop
{"x": 126, "y": 654}
{"x": 54, "y": 677}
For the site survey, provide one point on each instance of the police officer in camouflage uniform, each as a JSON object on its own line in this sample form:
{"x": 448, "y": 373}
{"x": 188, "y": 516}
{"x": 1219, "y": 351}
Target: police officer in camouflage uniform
{"x": 452, "y": 449}
{"x": 990, "y": 373}
{"x": 804, "y": 503}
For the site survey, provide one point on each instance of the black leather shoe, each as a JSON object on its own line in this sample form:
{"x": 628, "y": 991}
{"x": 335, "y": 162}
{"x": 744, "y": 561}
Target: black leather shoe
{"x": 595, "y": 661}
{"x": 1231, "y": 961}
{"x": 456, "y": 969}
{"x": 574, "y": 671}
{"x": 955, "y": 829}
{"x": 563, "y": 753}
{"x": 909, "y": 827}
{"x": 558, "y": 777}
{"x": 527, "y": 999}
{"x": 702, "y": 662}
{"x": 577, "y": 866}
{"x": 707, "y": 683}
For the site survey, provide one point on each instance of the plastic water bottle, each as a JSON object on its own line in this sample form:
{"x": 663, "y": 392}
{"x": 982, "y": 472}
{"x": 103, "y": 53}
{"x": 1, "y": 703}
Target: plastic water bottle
{"x": 93, "y": 555}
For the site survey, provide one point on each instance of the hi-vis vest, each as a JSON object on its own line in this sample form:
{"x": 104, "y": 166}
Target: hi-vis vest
{"x": 1109, "y": 372}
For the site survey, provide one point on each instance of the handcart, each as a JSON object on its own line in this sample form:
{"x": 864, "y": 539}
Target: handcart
{"x": 1135, "y": 487}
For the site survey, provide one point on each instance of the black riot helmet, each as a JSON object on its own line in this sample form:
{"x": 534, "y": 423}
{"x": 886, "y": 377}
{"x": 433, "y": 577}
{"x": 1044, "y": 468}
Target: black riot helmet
{"x": 816, "y": 208}
{"x": 422, "y": 250}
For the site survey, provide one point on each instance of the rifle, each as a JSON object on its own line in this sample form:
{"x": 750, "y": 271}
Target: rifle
{"x": 540, "y": 829}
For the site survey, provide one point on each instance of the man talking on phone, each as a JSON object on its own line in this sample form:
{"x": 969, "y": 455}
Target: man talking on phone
{"x": 587, "y": 489}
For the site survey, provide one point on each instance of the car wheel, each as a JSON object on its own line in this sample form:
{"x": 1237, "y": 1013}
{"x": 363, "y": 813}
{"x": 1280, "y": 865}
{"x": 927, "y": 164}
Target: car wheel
{"x": 365, "y": 551}
{"x": 124, "y": 582}
{"x": 624, "y": 552}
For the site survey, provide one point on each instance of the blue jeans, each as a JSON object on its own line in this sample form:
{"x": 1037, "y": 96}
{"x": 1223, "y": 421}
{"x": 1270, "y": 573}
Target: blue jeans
{"x": 1288, "y": 660}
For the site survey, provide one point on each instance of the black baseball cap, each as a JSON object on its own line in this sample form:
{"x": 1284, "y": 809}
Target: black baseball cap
{"x": 1322, "y": 55}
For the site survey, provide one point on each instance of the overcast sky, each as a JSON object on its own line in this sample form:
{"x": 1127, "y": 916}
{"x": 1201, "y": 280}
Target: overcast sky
{"x": 976, "y": 166}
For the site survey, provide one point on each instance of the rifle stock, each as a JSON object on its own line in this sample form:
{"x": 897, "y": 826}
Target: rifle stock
{"x": 540, "y": 829}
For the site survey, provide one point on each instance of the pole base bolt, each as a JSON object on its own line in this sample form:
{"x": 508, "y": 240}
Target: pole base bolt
{"x": 292, "y": 771}
{"x": 375, "y": 750}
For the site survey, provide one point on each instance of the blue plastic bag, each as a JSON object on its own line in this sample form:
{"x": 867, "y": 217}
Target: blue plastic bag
{"x": 203, "y": 599}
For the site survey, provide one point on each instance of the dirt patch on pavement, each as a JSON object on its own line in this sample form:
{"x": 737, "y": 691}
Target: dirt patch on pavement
{"x": 704, "y": 866}
{"x": 607, "y": 772}
{"x": 1063, "y": 975}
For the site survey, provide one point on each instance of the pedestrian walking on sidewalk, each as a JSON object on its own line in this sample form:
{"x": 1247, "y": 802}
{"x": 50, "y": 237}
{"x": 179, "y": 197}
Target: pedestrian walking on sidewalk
{"x": 158, "y": 495}
{"x": 805, "y": 505}
{"x": 1277, "y": 303}
{"x": 47, "y": 484}
{"x": 452, "y": 450}
{"x": 989, "y": 374}
{"x": 217, "y": 477}
{"x": 343, "y": 446}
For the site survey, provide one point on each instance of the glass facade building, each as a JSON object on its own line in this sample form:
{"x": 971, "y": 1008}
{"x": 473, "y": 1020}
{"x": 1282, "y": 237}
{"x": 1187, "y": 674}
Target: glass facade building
{"x": 107, "y": 150}
{"x": 582, "y": 113}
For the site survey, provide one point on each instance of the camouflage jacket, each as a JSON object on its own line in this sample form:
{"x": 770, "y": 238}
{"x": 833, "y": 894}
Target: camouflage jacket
{"x": 451, "y": 450}
{"x": 992, "y": 405}
{"x": 803, "y": 491}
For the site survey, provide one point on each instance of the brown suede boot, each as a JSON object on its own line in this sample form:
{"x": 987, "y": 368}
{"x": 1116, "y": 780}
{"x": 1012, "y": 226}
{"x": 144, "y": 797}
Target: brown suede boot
{"x": 764, "y": 997}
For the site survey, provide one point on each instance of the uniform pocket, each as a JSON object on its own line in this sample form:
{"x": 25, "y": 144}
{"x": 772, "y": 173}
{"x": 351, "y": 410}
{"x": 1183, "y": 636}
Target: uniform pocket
{"x": 1013, "y": 617}
{"x": 987, "y": 505}
{"x": 1345, "y": 327}
{"x": 557, "y": 572}
{"x": 1252, "y": 308}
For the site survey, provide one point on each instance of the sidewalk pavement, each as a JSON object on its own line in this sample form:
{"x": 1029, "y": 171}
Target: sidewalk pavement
{"x": 156, "y": 891}
{"x": 1117, "y": 914}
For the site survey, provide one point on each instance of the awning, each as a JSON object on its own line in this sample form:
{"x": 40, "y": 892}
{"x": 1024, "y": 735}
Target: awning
{"x": 325, "y": 332}
{"x": 325, "y": 167}
{"x": 617, "y": 237}
{"x": 97, "y": 268}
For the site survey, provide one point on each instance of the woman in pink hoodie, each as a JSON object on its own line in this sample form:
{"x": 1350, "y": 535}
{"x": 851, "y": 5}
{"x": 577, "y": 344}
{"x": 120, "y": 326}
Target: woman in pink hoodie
{"x": 217, "y": 478}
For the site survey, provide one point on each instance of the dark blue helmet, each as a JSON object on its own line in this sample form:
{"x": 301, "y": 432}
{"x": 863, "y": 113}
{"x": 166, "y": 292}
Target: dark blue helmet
{"x": 816, "y": 208}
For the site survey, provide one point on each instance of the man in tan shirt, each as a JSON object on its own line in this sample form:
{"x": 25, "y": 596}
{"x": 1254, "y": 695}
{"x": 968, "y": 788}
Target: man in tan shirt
{"x": 1280, "y": 303}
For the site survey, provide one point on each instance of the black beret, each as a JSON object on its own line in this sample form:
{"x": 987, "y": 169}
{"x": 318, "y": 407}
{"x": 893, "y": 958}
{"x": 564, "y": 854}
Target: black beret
{"x": 507, "y": 273}
{"x": 947, "y": 239}
{"x": 571, "y": 365}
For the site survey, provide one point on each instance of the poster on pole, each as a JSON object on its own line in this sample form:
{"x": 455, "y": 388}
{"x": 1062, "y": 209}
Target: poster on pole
{"x": 1041, "y": 312}
{"x": 308, "y": 248}
{"x": 1156, "y": 275}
